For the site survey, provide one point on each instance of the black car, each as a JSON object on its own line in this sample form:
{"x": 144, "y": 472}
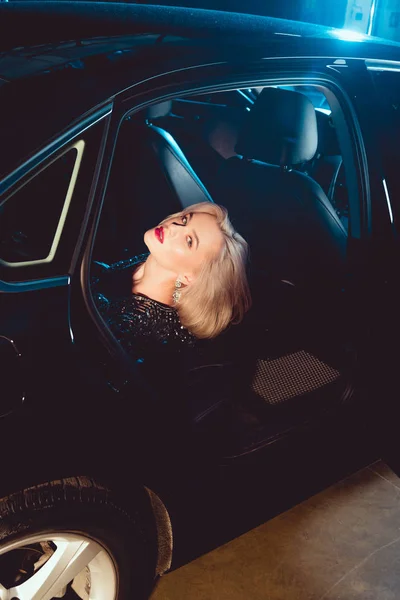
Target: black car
{"x": 112, "y": 117}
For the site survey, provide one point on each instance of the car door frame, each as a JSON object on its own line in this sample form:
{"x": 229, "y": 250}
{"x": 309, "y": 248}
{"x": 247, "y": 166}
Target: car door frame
{"x": 386, "y": 323}
{"x": 205, "y": 78}
{"x": 37, "y": 319}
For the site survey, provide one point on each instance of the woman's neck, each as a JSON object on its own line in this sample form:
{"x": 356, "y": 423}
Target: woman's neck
{"x": 154, "y": 281}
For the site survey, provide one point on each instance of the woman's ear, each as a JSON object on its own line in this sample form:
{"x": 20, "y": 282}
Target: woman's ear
{"x": 186, "y": 278}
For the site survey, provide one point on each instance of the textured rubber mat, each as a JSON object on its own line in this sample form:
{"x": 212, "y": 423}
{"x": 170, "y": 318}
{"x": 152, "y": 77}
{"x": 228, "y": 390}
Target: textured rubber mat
{"x": 280, "y": 379}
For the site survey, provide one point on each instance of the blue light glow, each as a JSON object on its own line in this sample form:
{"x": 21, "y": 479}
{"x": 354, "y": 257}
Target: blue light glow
{"x": 371, "y": 17}
{"x": 326, "y": 111}
{"x": 348, "y": 36}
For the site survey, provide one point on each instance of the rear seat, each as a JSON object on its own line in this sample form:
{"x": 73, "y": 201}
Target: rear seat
{"x": 206, "y": 133}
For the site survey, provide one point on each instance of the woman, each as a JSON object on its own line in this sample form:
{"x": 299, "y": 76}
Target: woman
{"x": 191, "y": 285}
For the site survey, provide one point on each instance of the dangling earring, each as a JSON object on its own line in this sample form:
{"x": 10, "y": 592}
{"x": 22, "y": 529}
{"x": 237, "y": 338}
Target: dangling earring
{"x": 177, "y": 293}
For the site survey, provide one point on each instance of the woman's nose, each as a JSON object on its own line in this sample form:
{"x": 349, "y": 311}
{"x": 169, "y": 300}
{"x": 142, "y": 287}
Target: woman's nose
{"x": 174, "y": 230}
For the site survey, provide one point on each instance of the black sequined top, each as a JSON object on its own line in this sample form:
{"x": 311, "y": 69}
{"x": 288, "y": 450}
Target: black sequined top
{"x": 141, "y": 325}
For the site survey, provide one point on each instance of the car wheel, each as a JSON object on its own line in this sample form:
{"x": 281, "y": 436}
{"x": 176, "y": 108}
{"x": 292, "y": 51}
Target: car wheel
{"x": 71, "y": 539}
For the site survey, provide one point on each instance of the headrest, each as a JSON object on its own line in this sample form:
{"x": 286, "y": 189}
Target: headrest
{"x": 327, "y": 140}
{"x": 162, "y": 109}
{"x": 280, "y": 129}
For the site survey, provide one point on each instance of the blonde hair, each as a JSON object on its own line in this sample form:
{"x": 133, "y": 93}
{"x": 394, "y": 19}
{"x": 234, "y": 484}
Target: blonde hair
{"x": 220, "y": 293}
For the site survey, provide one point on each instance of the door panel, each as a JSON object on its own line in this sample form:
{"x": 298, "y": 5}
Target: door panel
{"x": 386, "y": 89}
{"x": 44, "y": 394}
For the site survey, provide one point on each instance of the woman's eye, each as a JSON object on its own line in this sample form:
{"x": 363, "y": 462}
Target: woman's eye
{"x": 189, "y": 241}
{"x": 184, "y": 219}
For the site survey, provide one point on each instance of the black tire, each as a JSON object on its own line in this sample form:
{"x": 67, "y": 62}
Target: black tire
{"x": 80, "y": 505}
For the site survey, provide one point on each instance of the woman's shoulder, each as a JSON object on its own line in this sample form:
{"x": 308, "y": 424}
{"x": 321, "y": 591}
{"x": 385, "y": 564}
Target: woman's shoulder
{"x": 141, "y": 317}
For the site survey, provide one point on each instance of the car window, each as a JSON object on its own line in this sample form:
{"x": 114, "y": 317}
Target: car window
{"x": 315, "y": 95}
{"x": 204, "y": 130}
{"x": 387, "y": 85}
{"x": 235, "y": 98}
{"x": 44, "y": 207}
{"x": 31, "y": 219}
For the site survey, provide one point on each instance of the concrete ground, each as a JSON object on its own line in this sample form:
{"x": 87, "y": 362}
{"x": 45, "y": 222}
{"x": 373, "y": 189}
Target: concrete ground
{"x": 341, "y": 544}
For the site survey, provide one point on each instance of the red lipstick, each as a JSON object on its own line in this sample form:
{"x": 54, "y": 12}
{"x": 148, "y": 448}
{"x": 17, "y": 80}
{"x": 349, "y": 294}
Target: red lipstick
{"x": 159, "y": 232}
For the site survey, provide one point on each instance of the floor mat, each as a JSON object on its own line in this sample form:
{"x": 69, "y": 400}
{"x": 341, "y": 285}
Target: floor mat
{"x": 280, "y": 379}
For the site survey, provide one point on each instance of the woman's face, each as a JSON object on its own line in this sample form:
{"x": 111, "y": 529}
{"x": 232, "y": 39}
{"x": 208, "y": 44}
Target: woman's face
{"x": 182, "y": 244}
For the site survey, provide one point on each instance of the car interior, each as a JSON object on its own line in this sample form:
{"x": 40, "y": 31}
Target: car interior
{"x": 271, "y": 156}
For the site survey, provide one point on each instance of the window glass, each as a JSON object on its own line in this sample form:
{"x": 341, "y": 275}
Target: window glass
{"x": 31, "y": 218}
{"x": 43, "y": 217}
{"x": 142, "y": 189}
{"x": 315, "y": 95}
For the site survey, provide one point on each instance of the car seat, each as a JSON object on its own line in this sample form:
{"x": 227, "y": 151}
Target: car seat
{"x": 292, "y": 228}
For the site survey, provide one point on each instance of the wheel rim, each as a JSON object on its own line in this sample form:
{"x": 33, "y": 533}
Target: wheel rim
{"x": 74, "y": 563}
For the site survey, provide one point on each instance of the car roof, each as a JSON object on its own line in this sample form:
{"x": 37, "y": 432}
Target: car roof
{"x": 60, "y": 59}
{"x": 32, "y": 23}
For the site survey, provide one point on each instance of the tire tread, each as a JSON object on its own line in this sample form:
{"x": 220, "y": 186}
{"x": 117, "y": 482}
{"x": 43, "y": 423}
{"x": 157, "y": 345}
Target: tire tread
{"x": 124, "y": 522}
{"x": 48, "y": 494}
